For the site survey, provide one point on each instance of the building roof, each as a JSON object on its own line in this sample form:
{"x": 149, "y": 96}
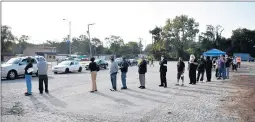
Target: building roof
{"x": 48, "y": 53}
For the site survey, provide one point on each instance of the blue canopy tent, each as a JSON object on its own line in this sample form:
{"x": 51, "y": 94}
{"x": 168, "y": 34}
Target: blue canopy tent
{"x": 214, "y": 53}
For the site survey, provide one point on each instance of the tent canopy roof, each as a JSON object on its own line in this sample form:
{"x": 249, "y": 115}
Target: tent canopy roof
{"x": 214, "y": 52}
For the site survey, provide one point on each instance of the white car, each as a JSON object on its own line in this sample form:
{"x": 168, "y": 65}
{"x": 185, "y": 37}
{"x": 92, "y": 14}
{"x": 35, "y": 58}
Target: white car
{"x": 67, "y": 66}
{"x": 16, "y": 67}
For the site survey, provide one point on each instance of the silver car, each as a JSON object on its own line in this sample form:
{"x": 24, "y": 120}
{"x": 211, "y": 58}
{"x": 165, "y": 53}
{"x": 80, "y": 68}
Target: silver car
{"x": 16, "y": 67}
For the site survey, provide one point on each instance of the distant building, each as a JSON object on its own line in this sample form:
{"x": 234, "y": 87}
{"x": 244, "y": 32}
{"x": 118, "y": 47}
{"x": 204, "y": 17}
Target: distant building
{"x": 5, "y": 56}
{"x": 48, "y": 52}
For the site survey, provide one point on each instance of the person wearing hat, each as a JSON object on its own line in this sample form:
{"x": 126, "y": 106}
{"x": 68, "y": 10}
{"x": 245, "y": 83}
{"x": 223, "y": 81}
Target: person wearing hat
{"x": 28, "y": 76}
{"x": 124, "y": 69}
{"x": 163, "y": 70}
{"x": 142, "y": 69}
{"x": 113, "y": 74}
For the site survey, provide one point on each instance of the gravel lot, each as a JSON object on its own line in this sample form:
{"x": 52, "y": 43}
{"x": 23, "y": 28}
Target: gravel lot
{"x": 70, "y": 100}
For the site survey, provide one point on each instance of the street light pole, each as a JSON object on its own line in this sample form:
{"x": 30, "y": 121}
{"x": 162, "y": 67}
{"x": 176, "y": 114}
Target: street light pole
{"x": 69, "y": 37}
{"x": 89, "y": 40}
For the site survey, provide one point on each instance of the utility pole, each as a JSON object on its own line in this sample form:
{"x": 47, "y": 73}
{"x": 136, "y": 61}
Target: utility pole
{"x": 69, "y": 36}
{"x": 90, "y": 50}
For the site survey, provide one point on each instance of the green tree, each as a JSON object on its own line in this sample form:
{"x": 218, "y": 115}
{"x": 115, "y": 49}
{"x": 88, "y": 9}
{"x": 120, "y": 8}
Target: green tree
{"x": 7, "y": 38}
{"x": 180, "y": 32}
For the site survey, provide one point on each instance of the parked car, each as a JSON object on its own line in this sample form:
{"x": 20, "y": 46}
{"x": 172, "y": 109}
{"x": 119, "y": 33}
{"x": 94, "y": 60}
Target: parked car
{"x": 102, "y": 64}
{"x": 118, "y": 60}
{"x": 16, "y": 67}
{"x": 251, "y": 59}
{"x": 67, "y": 67}
{"x": 133, "y": 62}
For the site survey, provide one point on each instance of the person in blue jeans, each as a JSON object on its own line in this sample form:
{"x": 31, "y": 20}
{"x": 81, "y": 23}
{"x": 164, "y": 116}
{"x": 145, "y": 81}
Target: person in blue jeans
{"x": 28, "y": 76}
{"x": 222, "y": 67}
{"x": 124, "y": 69}
{"x": 113, "y": 72}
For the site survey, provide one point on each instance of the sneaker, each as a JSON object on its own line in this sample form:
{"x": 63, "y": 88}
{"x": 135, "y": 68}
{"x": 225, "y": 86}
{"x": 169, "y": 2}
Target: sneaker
{"x": 140, "y": 87}
{"x": 41, "y": 92}
{"x": 91, "y": 91}
{"x": 143, "y": 87}
{"x": 46, "y": 91}
{"x": 182, "y": 85}
{"x": 165, "y": 86}
{"x": 113, "y": 89}
{"x": 177, "y": 84}
{"x": 27, "y": 94}
{"x": 122, "y": 88}
{"x": 160, "y": 85}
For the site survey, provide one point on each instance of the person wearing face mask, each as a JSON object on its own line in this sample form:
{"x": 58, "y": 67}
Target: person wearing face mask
{"x": 113, "y": 74}
{"x": 94, "y": 68}
{"x": 208, "y": 68}
{"x": 228, "y": 63}
{"x": 124, "y": 69}
{"x": 28, "y": 76}
{"x": 163, "y": 70}
{"x": 180, "y": 71}
{"x": 42, "y": 74}
{"x": 192, "y": 69}
{"x": 201, "y": 69}
{"x": 142, "y": 69}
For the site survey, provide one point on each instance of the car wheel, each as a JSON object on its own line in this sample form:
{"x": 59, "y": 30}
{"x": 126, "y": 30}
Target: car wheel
{"x": 67, "y": 70}
{"x": 80, "y": 69}
{"x": 55, "y": 72}
{"x": 105, "y": 66}
{"x": 11, "y": 75}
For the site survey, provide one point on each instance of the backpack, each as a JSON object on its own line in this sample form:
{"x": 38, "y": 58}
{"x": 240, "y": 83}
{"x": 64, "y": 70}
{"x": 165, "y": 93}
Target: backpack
{"x": 98, "y": 68}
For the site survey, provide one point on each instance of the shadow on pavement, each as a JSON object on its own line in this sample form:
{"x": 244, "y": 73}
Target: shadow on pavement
{"x": 22, "y": 79}
{"x": 141, "y": 97}
{"x": 117, "y": 100}
{"x": 55, "y": 101}
{"x": 37, "y": 103}
{"x": 168, "y": 92}
{"x": 146, "y": 93}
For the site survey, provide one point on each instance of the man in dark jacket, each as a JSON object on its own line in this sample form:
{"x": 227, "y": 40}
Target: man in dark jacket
{"x": 163, "y": 70}
{"x": 180, "y": 71}
{"x": 201, "y": 68}
{"x": 228, "y": 63}
{"x": 208, "y": 68}
{"x": 124, "y": 69}
{"x": 142, "y": 70}
{"x": 28, "y": 75}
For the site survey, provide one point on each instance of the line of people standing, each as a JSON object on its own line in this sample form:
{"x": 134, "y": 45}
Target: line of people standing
{"x": 196, "y": 68}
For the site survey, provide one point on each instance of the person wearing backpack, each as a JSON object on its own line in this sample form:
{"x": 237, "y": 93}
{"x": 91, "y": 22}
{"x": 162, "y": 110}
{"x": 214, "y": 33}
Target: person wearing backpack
{"x": 94, "y": 68}
{"x": 124, "y": 69}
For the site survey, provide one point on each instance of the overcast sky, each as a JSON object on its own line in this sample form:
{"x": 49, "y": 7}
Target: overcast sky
{"x": 44, "y": 20}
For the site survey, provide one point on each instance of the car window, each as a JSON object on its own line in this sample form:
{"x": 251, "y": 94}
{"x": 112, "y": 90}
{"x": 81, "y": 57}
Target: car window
{"x": 23, "y": 62}
{"x": 72, "y": 63}
{"x": 76, "y": 63}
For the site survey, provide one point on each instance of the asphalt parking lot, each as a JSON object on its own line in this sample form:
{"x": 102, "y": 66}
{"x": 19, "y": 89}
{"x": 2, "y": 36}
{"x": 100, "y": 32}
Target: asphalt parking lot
{"x": 70, "y": 100}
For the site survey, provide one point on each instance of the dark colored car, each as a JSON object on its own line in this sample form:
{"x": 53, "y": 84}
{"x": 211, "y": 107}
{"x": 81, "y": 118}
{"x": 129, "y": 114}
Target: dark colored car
{"x": 102, "y": 64}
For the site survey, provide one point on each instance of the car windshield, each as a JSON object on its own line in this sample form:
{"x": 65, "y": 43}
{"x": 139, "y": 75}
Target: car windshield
{"x": 13, "y": 61}
{"x": 65, "y": 63}
{"x": 97, "y": 61}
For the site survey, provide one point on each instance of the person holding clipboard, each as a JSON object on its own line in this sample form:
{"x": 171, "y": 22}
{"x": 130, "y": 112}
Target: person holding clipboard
{"x": 28, "y": 76}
